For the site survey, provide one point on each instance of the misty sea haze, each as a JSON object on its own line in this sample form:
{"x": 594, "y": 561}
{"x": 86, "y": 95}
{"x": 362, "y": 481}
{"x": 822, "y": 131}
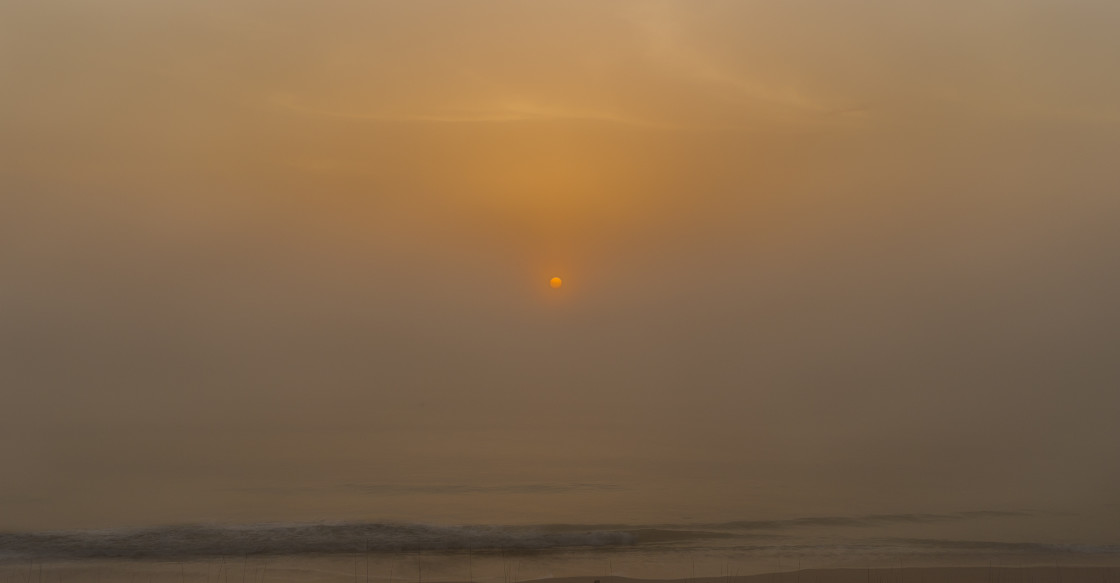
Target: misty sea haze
{"x": 487, "y": 291}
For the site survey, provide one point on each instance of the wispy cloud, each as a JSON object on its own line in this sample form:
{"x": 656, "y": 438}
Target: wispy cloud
{"x": 539, "y": 488}
{"x": 435, "y": 489}
{"x": 667, "y": 43}
{"x": 501, "y": 111}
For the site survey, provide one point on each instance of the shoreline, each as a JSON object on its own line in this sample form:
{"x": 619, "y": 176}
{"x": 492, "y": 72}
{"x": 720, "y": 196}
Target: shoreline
{"x": 351, "y": 570}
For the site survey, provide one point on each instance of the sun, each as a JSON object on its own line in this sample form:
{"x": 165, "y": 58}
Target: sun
{"x": 555, "y": 282}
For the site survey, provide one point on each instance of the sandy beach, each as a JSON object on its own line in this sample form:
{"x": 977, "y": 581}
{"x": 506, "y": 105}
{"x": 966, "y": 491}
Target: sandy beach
{"x": 352, "y": 570}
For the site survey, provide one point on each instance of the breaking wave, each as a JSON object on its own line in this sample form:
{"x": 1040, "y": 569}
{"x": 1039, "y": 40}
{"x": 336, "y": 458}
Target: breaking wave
{"x": 756, "y": 538}
{"x": 187, "y": 541}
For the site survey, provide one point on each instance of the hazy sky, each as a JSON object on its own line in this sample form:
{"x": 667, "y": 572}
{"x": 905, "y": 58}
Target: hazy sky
{"x": 288, "y": 260}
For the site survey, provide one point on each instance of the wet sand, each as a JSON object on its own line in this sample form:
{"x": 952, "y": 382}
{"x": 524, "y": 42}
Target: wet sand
{"x": 353, "y": 570}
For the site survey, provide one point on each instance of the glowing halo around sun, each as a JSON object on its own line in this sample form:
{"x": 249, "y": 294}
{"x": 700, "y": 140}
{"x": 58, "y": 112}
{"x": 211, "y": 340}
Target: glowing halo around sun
{"x": 555, "y": 282}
